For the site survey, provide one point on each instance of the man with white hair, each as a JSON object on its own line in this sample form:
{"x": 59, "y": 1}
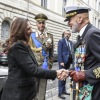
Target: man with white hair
{"x": 87, "y": 52}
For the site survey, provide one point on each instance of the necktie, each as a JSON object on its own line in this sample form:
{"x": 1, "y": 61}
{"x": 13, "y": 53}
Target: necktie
{"x": 69, "y": 48}
{"x": 42, "y": 35}
{"x": 68, "y": 44}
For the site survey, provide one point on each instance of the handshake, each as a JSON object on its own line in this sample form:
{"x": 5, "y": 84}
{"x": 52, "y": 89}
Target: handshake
{"x": 62, "y": 74}
{"x": 77, "y": 76}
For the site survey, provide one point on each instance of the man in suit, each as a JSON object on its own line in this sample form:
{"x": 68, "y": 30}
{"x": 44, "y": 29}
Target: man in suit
{"x": 41, "y": 42}
{"x": 87, "y": 48}
{"x": 64, "y": 59}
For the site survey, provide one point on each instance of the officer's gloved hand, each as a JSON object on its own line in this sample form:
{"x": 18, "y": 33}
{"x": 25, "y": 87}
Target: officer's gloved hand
{"x": 77, "y": 76}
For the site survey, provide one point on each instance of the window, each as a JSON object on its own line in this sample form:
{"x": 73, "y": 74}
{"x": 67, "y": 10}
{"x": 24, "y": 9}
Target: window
{"x": 5, "y": 30}
{"x": 96, "y": 4}
{"x": 44, "y": 3}
{"x": 99, "y": 8}
{"x": 99, "y": 24}
{"x": 63, "y": 5}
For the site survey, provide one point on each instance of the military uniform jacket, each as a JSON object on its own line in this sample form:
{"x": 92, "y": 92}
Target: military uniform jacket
{"x": 91, "y": 37}
{"x": 21, "y": 82}
{"x": 38, "y": 51}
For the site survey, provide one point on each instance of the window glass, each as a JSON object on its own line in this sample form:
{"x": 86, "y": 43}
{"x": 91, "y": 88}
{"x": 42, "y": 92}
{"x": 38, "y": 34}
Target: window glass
{"x": 63, "y": 5}
{"x": 44, "y": 3}
{"x": 5, "y": 30}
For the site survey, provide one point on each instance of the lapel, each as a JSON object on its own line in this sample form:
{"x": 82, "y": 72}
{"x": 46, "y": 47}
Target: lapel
{"x": 83, "y": 35}
{"x": 39, "y": 39}
{"x": 47, "y": 36}
{"x": 64, "y": 41}
{"x": 42, "y": 40}
{"x": 32, "y": 55}
{"x": 70, "y": 43}
{"x": 45, "y": 39}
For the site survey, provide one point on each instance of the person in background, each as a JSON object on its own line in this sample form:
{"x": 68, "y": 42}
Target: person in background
{"x": 41, "y": 43}
{"x": 87, "y": 52}
{"x": 65, "y": 47}
{"x": 23, "y": 67}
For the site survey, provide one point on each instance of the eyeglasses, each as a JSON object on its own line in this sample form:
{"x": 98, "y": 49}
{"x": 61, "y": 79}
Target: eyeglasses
{"x": 41, "y": 22}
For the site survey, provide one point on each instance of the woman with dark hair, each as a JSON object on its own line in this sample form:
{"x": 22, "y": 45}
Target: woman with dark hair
{"x": 23, "y": 70}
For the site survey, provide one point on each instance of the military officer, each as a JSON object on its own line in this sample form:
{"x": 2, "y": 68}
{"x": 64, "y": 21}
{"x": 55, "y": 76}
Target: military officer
{"x": 41, "y": 42}
{"x": 87, "y": 51}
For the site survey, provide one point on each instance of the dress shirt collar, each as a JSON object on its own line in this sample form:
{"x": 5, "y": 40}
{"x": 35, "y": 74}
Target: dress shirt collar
{"x": 82, "y": 30}
{"x": 39, "y": 33}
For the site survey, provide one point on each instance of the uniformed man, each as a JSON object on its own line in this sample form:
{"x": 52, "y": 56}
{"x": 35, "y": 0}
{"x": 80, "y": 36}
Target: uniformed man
{"x": 41, "y": 42}
{"x": 87, "y": 52}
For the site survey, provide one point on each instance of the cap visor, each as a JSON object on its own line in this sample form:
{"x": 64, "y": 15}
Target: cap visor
{"x": 66, "y": 20}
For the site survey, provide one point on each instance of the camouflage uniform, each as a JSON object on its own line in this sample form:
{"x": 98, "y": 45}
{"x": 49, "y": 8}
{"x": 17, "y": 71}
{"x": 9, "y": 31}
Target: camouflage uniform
{"x": 47, "y": 45}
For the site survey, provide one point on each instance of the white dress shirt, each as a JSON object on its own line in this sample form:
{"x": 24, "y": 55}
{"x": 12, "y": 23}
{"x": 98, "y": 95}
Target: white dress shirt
{"x": 39, "y": 33}
{"x": 68, "y": 43}
{"x": 82, "y": 30}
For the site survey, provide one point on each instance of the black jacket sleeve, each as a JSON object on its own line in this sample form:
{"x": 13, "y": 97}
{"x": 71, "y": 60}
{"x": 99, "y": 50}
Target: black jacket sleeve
{"x": 27, "y": 63}
{"x": 93, "y": 74}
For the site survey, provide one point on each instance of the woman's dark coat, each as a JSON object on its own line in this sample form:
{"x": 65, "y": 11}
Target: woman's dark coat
{"x": 21, "y": 82}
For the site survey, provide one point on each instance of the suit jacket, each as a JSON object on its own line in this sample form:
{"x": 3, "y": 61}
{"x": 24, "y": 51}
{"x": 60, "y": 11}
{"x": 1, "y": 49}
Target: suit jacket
{"x": 38, "y": 51}
{"x": 63, "y": 51}
{"x": 21, "y": 82}
{"x": 91, "y": 37}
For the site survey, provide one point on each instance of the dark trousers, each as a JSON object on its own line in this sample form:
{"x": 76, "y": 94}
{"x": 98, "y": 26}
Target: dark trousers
{"x": 62, "y": 83}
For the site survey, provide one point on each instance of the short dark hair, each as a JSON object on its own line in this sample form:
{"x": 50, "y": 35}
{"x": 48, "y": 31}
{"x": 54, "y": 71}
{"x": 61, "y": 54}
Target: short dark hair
{"x": 64, "y": 33}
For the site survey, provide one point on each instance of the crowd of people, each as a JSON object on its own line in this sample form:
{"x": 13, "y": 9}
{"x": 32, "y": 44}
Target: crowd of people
{"x": 30, "y": 58}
